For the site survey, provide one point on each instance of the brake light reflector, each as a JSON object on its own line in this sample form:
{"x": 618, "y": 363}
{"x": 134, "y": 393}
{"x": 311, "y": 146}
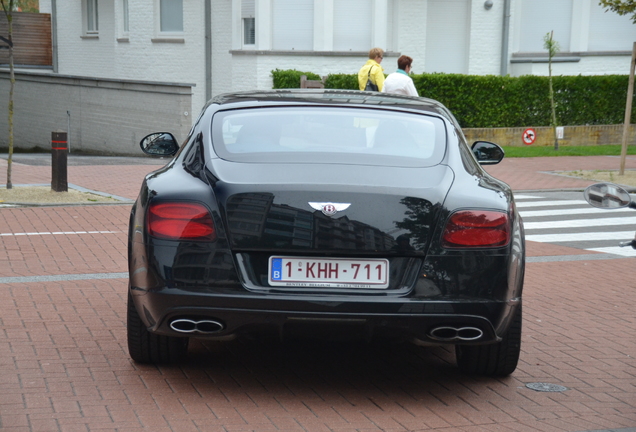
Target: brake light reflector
{"x": 477, "y": 228}
{"x": 180, "y": 221}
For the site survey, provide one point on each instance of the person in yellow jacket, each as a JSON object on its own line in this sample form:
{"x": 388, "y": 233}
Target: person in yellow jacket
{"x": 372, "y": 69}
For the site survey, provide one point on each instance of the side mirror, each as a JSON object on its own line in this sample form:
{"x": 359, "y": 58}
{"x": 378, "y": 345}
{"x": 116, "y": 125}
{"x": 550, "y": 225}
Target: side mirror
{"x": 159, "y": 144}
{"x": 607, "y": 196}
{"x": 487, "y": 153}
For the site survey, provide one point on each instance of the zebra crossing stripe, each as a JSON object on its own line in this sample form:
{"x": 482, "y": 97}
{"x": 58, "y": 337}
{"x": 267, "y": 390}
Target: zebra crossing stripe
{"x": 569, "y": 212}
{"x": 616, "y": 250}
{"x": 580, "y": 223}
{"x": 585, "y": 236}
{"x": 520, "y": 197}
{"x": 525, "y": 204}
{"x": 582, "y": 217}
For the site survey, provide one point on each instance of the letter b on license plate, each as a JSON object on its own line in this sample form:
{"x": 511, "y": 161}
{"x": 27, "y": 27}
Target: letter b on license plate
{"x": 328, "y": 272}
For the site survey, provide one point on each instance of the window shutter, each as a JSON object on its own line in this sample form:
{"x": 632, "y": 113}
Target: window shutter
{"x": 171, "y": 19}
{"x": 247, "y": 9}
{"x": 610, "y": 31}
{"x": 352, "y": 25}
{"x": 390, "y": 16}
{"x": 293, "y": 25}
{"x": 539, "y": 17}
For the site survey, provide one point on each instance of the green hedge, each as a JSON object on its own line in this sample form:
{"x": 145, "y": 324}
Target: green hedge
{"x": 504, "y": 101}
{"x": 290, "y": 78}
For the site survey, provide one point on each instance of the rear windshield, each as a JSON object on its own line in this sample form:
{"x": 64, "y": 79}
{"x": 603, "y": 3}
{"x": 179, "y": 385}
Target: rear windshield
{"x": 328, "y": 135}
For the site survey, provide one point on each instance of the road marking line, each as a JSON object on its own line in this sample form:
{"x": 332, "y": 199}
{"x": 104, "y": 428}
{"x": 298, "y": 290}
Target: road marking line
{"x": 526, "y": 204}
{"x": 584, "y": 236}
{"x": 580, "y": 223}
{"x": 627, "y": 251}
{"x": 61, "y": 278}
{"x": 57, "y": 233}
{"x": 564, "y": 212}
{"x": 527, "y": 197}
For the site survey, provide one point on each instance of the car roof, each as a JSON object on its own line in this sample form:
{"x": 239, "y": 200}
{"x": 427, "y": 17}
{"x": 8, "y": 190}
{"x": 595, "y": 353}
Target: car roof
{"x": 331, "y": 97}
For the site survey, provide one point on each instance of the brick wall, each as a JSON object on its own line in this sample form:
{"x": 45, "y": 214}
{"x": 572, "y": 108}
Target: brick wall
{"x": 572, "y": 135}
{"x": 106, "y": 115}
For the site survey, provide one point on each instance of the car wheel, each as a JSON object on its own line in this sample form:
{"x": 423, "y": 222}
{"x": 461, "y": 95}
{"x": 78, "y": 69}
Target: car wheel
{"x": 145, "y": 347}
{"x": 499, "y": 359}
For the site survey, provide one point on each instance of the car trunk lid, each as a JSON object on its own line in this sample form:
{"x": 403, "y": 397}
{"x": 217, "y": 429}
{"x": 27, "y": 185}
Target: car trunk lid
{"x": 316, "y": 209}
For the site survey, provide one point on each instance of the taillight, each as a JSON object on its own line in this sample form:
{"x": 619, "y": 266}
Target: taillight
{"x": 180, "y": 221}
{"x": 477, "y": 228}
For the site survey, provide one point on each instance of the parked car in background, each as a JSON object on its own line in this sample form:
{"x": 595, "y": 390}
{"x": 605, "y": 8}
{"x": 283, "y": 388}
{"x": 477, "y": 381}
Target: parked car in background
{"x": 321, "y": 213}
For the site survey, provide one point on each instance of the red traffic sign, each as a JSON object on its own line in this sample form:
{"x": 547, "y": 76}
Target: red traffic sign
{"x": 529, "y": 136}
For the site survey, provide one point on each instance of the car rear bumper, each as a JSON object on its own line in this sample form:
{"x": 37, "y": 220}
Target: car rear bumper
{"x": 219, "y": 317}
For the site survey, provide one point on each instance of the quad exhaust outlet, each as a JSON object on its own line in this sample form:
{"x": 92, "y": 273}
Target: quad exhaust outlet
{"x": 449, "y": 334}
{"x": 187, "y": 325}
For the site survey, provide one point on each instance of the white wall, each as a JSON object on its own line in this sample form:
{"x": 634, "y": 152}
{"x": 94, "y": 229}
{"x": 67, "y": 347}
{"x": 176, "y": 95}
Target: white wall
{"x": 604, "y": 65}
{"x": 139, "y": 58}
{"x": 600, "y": 41}
{"x": 486, "y": 29}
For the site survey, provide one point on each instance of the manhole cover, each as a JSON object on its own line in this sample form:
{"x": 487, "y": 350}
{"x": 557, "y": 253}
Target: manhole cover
{"x": 546, "y": 387}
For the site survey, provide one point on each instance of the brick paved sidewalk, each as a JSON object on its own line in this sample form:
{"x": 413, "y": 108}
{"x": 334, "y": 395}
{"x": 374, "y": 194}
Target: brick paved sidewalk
{"x": 64, "y": 364}
{"x": 542, "y": 173}
{"x": 120, "y": 180}
{"x": 125, "y": 179}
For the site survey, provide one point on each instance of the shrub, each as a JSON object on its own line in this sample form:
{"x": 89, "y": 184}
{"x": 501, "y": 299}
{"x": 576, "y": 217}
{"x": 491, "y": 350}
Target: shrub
{"x": 505, "y": 101}
{"x": 290, "y": 78}
{"x": 342, "y": 81}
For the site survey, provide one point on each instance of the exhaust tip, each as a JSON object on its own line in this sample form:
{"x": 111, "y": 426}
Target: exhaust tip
{"x": 469, "y": 333}
{"x": 187, "y": 325}
{"x": 450, "y": 334}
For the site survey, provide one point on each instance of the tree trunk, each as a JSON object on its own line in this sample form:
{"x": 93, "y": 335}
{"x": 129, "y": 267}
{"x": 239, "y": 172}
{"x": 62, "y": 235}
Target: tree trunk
{"x": 7, "y": 7}
{"x": 11, "y": 88}
{"x": 552, "y": 103}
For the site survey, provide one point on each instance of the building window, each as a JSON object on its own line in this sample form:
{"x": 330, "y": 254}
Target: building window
{"x": 313, "y": 25}
{"x": 293, "y": 25}
{"x": 91, "y": 17}
{"x": 249, "y": 31}
{"x": 609, "y": 31}
{"x": 171, "y": 16}
{"x": 125, "y": 16}
{"x": 536, "y": 23}
{"x": 352, "y": 34}
{"x": 248, "y": 21}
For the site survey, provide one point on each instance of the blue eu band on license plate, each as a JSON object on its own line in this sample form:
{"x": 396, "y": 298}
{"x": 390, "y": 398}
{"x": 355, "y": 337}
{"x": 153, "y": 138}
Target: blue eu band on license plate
{"x": 328, "y": 272}
{"x": 276, "y": 269}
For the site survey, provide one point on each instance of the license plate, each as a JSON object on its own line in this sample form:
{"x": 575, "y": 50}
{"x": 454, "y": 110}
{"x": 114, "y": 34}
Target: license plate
{"x": 328, "y": 272}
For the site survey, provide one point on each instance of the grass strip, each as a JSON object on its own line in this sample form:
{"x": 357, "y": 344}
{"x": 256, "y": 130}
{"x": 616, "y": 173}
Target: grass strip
{"x": 601, "y": 150}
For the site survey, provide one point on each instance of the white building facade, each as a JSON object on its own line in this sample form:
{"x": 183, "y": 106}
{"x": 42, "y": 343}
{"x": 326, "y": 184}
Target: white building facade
{"x": 231, "y": 45}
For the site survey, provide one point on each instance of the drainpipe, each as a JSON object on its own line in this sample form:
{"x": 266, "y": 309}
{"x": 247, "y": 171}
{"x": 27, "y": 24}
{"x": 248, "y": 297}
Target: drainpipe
{"x": 504, "y": 38}
{"x": 208, "y": 50}
{"x": 54, "y": 34}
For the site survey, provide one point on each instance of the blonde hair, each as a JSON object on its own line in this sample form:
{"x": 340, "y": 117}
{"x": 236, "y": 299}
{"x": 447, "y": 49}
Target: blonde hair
{"x": 376, "y": 52}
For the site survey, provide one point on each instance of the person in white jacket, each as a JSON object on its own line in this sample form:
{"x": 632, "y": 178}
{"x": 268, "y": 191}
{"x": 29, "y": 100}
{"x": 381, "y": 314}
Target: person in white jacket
{"x": 399, "y": 82}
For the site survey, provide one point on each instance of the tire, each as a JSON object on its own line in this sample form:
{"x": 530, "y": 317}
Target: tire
{"x": 495, "y": 360}
{"x": 145, "y": 347}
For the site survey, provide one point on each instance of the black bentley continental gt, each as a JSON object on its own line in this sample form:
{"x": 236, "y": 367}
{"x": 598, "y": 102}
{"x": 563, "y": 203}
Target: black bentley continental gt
{"x": 326, "y": 213}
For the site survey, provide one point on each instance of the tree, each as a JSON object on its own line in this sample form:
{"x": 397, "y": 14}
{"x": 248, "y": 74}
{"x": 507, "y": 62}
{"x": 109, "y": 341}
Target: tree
{"x": 553, "y": 47}
{"x": 27, "y": 5}
{"x": 8, "y": 6}
{"x": 621, "y": 7}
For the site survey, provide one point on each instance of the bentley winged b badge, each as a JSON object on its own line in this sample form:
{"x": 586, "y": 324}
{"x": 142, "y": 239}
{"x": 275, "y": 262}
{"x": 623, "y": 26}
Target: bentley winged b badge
{"x": 329, "y": 209}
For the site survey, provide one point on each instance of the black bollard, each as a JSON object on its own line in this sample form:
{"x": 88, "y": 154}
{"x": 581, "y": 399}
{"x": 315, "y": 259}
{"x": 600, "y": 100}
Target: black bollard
{"x": 59, "y": 156}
